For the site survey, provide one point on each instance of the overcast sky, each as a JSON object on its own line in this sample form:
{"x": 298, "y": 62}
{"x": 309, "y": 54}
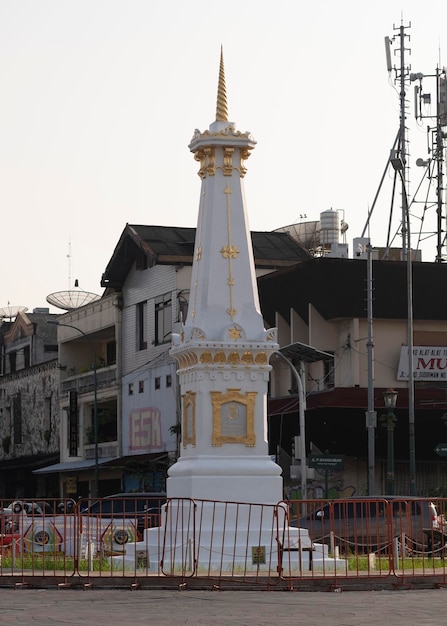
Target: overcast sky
{"x": 100, "y": 99}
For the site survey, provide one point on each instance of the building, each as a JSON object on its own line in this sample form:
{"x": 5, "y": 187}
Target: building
{"x": 322, "y": 303}
{"x": 88, "y": 398}
{"x": 318, "y": 302}
{"x": 29, "y": 416}
{"x": 114, "y": 362}
{"x": 150, "y": 274}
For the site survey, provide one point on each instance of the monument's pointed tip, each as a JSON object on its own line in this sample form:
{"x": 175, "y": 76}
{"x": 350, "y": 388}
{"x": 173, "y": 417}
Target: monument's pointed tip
{"x": 221, "y": 108}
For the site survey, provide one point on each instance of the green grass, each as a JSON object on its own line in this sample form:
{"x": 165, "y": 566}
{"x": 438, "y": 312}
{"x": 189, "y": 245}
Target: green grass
{"x": 50, "y": 562}
{"x": 382, "y": 563}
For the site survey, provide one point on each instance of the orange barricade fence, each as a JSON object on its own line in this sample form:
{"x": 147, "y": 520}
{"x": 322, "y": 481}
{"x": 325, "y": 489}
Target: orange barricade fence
{"x": 282, "y": 544}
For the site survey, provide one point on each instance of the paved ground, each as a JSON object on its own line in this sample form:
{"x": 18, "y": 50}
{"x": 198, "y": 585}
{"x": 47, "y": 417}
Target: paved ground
{"x": 212, "y": 608}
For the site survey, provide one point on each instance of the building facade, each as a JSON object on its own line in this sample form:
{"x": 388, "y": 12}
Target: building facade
{"x": 88, "y": 400}
{"x": 118, "y": 395}
{"x": 150, "y": 274}
{"x": 29, "y": 416}
{"x": 323, "y": 303}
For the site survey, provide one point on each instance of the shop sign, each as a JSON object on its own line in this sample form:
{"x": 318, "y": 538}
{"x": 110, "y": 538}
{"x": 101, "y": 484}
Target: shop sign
{"x": 429, "y": 363}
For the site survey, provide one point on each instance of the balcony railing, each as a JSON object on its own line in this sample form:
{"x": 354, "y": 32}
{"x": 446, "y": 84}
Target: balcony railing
{"x": 84, "y": 383}
{"x": 105, "y": 450}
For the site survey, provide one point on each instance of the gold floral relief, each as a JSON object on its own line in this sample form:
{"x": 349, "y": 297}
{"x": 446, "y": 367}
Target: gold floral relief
{"x": 244, "y": 154}
{"x": 211, "y": 161}
{"x": 206, "y": 157}
{"x": 261, "y": 358}
{"x": 234, "y": 333}
{"x": 199, "y": 156}
{"x": 206, "y": 357}
{"x": 234, "y": 358}
{"x": 220, "y": 357}
{"x": 229, "y": 252}
{"x": 233, "y": 417}
{"x": 189, "y": 419}
{"x": 228, "y": 161}
{"x": 247, "y": 358}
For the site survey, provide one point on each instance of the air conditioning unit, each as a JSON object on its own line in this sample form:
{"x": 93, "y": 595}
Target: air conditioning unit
{"x": 296, "y": 447}
{"x": 295, "y": 472}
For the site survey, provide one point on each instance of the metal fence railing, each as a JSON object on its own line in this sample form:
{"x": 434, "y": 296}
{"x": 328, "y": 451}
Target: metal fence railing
{"x": 141, "y": 538}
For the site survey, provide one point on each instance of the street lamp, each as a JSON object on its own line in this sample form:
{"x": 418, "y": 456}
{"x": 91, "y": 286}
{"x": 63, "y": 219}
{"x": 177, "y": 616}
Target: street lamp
{"x": 95, "y": 402}
{"x": 306, "y": 354}
{"x": 302, "y": 423}
{"x": 390, "y": 399}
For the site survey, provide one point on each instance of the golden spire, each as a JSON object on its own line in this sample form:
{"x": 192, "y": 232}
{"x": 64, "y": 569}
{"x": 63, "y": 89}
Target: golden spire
{"x": 221, "y": 108}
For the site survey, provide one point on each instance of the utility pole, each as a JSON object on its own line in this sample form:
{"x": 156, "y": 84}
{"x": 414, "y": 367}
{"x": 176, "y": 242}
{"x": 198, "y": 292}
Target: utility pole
{"x": 398, "y": 160}
{"x": 371, "y": 415}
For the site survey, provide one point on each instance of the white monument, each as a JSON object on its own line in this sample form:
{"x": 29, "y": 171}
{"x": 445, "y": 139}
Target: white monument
{"x": 223, "y": 350}
{"x": 224, "y": 489}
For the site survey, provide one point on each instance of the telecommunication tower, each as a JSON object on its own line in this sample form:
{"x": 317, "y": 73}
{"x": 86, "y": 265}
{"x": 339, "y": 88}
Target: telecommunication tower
{"x": 434, "y": 165}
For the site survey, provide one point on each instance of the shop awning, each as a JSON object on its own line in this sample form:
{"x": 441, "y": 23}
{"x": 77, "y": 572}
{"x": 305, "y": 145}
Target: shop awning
{"x": 305, "y": 353}
{"x": 71, "y": 466}
{"x": 87, "y": 464}
{"x": 137, "y": 459}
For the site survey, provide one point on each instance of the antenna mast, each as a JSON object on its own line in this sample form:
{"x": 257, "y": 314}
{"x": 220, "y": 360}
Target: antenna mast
{"x": 436, "y": 146}
{"x": 401, "y": 153}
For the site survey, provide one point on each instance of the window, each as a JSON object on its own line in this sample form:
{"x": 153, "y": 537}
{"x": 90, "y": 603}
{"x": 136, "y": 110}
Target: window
{"x": 50, "y": 347}
{"x": 17, "y": 418}
{"x": 157, "y": 382}
{"x": 182, "y": 299}
{"x": 163, "y": 318}
{"x": 140, "y": 386}
{"x": 47, "y": 414}
{"x": 26, "y": 356}
{"x": 111, "y": 352}
{"x": 73, "y": 423}
{"x": 168, "y": 380}
{"x": 141, "y": 325}
{"x": 107, "y": 423}
{"x": 12, "y": 361}
{"x": 130, "y": 389}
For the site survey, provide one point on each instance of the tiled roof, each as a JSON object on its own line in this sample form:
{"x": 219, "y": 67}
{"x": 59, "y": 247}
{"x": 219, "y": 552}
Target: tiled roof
{"x": 175, "y": 245}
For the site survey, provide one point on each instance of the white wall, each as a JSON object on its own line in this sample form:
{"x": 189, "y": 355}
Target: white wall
{"x": 147, "y": 412}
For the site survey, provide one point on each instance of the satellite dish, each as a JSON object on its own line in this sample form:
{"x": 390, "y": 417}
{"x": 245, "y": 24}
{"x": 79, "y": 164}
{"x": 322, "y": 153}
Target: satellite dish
{"x": 72, "y": 299}
{"x": 12, "y": 311}
{"x": 421, "y": 163}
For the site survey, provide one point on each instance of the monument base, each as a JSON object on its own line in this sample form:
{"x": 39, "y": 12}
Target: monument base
{"x": 229, "y": 478}
{"x": 208, "y": 538}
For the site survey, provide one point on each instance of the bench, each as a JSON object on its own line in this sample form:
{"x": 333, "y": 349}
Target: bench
{"x": 309, "y": 549}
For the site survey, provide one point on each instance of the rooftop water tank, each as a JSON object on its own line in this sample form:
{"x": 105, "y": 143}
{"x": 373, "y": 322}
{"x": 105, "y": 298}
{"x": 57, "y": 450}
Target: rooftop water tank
{"x": 329, "y": 227}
